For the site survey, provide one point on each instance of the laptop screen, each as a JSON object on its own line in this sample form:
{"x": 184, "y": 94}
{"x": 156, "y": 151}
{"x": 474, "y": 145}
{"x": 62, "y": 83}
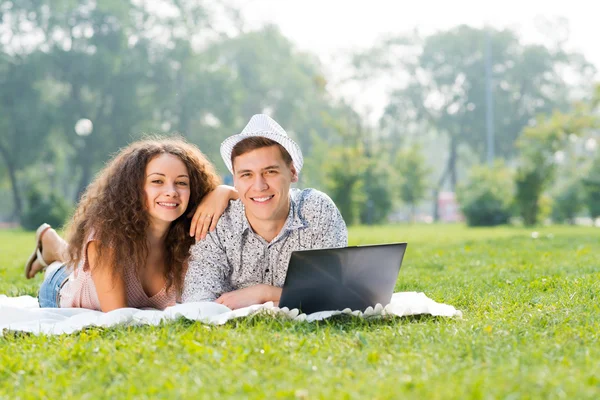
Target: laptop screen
{"x": 334, "y": 279}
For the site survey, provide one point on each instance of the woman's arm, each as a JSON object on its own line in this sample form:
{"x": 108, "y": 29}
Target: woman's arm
{"x": 110, "y": 289}
{"x": 210, "y": 209}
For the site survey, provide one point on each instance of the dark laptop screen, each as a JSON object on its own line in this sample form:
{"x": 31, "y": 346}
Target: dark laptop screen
{"x": 334, "y": 279}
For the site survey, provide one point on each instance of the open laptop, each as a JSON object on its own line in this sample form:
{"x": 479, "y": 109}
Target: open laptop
{"x": 349, "y": 277}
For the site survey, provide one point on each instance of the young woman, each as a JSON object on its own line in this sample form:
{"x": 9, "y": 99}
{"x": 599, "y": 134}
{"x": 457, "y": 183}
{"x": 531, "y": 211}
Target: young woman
{"x": 128, "y": 241}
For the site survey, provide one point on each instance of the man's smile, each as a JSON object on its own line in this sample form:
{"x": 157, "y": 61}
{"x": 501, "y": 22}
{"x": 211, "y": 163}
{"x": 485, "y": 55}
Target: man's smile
{"x": 262, "y": 199}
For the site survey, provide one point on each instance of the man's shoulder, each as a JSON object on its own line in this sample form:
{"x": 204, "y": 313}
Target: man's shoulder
{"x": 310, "y": 197}
{"x": 315, "y": 205}
{"x": 232, "y": 219}
{"x": 233, "y": 210}
{"x": 323, "y": 222}
{"x": 230, "y": 223}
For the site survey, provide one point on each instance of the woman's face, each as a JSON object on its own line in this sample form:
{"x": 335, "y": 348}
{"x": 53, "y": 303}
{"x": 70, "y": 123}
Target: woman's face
{"x": 166, "y": 189}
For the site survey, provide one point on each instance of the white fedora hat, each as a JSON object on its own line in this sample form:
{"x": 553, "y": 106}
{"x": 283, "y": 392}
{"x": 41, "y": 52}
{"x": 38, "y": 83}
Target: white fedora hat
{"x": 264, "y": 126}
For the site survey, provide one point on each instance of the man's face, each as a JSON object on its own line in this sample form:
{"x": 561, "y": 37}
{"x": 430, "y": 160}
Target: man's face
{"x": 263, "y": 181}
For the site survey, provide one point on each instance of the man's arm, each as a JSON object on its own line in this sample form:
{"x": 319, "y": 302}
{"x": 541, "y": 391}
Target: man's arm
{"x": 256, "y": 294}
{"x": 207, "y": 276}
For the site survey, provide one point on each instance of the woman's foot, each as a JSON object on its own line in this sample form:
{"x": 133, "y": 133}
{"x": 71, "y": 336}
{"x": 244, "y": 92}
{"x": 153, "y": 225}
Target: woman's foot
{"x": 50, "y": 248}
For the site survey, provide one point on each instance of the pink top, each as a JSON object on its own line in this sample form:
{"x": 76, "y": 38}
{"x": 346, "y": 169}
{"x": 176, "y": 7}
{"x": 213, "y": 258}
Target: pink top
{"x": 79, "y": 290}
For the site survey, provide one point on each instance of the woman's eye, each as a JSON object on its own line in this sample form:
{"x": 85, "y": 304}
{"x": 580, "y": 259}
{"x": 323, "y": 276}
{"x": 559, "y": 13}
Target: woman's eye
{"x": 182, "y": 183}
{"x": 157, "y": 181}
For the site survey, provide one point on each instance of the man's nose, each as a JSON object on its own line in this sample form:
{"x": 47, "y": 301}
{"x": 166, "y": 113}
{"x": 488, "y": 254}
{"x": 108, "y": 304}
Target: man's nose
{"x": 260, "y": 183}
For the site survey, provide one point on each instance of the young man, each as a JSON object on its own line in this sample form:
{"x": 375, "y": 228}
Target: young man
{"x": 244, "y": 260}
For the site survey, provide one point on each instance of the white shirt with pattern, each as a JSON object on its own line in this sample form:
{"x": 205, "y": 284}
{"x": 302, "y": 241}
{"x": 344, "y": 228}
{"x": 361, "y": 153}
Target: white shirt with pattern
{"x": 234, "y": 257}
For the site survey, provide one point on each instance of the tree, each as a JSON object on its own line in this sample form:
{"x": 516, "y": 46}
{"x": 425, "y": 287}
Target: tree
{"x": 270, "y": 75}
{"x": 568, "y": 201}
{"x": 412, "y": 176}
{"x": 24, "y": 116}
{"x": 132, "y": 70}
{"x": 345, "y": 183}
{"x": 592, "y": 181}
{"x": 592, "y": 189}
{"x": 538, "y": 146}
{"x": 487, "y": 195}
{"x": 106, "y": 62}
{"x": 439, "y": 81}
{"x": 379, "y": 189}
{"x": 106, "y": 76}
{"x": 344, "y": 169}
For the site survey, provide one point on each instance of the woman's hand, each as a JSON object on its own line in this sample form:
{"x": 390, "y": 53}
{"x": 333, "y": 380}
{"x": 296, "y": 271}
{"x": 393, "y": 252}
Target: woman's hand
{"x": 210, "y": 209}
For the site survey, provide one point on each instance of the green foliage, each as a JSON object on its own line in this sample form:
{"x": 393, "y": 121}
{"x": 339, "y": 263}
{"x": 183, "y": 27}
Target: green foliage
{"x": 345, "y": 184}
{"x": 538, "y": 146}
{"x": 412, "y": 176}
{"x": 51, "y": 209}
{"x": 568, "y": 202}
{"x": 592, "y": 188}
{"x": 454, "y": 60}
{"x": 24, "y": 115}
{"x": 312, "y": 172}
{"x": 378, "y": 186}
{"x": 529, "y": 187}
{"x": 6, "y": 201}
{"x": 359, "y": 182}
{"x": 266, "y": 72}
{"x": 486, "y": 198}
{"x": 133, "y": 71}
{"x": 529, "y": 330}
{"x": 438, "y": 84}
{"x": 545, "y": 207}
{"x": 592, "y": 191}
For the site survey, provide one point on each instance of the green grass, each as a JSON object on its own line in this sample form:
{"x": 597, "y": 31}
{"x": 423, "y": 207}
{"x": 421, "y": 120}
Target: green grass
{"x": 530, "y": 330}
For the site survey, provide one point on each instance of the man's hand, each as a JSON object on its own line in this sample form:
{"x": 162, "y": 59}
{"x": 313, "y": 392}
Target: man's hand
{"x": 257, "y": 294}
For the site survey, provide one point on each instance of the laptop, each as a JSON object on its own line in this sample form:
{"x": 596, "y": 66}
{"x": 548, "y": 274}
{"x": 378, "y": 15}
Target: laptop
{"x": 353, "y": 277}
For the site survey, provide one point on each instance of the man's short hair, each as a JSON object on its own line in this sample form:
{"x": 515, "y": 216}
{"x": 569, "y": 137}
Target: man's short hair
{"x": 258, "y": 142}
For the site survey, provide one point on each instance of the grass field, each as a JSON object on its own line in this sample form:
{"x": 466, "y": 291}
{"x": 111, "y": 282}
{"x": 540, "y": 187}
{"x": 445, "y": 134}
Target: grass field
{"x": 530, "y": 330}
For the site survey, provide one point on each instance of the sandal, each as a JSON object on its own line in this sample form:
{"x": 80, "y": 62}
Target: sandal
{"x": 37, "y": 253}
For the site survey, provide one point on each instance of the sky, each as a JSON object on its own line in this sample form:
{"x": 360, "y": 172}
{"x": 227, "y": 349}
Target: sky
{"x": 333, "y": 28}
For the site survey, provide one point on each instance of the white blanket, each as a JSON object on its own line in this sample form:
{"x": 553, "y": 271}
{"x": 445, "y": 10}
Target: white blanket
{"x": 23, "y": 314}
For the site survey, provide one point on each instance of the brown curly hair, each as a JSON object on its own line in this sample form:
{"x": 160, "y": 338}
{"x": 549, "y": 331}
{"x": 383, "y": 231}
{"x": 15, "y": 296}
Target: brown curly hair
{"x": 113, "y": 209}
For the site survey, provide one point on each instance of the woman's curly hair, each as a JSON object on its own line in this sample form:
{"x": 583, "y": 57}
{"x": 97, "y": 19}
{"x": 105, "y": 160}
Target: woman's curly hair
{"x": 113, "y": 210}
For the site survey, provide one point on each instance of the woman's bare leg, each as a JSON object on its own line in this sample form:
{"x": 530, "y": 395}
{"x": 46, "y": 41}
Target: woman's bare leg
{"x": 54, "y": 248}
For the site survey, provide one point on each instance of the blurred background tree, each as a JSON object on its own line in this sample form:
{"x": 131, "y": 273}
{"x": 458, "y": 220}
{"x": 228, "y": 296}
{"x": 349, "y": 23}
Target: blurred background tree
{"x": 591, "y": 186}
{"x": 412, "y": 175}
{"x": 541, "y": 150}
{"x": 438, "y": 84}
{"x": 486, "y": 197}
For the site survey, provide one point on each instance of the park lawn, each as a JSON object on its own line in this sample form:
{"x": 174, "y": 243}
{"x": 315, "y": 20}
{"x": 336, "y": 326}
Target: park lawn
{"x": 530, "y": 330}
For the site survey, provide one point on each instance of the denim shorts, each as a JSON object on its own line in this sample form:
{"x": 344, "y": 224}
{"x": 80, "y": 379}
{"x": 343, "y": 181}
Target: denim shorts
{"x": 49, "y": 294}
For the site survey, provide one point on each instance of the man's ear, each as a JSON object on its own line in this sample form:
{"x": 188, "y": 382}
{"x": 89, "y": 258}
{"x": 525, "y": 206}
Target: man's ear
{"x": 294, "y": 174}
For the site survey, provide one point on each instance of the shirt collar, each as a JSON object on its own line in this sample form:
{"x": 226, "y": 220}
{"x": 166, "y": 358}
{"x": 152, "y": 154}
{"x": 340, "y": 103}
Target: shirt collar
{"x": 293, "y": 221}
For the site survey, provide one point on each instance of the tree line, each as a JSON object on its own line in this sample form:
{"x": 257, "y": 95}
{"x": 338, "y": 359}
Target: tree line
{"x": 192, "y": 68}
